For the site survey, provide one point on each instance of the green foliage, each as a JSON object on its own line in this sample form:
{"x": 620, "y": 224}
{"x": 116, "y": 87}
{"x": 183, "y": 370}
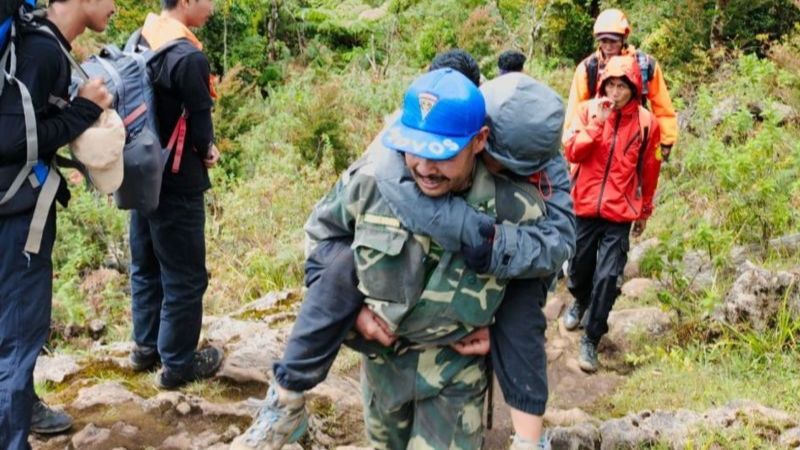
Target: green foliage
{"x": 563, "y": 28}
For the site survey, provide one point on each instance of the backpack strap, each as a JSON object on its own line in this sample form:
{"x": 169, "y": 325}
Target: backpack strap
{"x": 29, "y": 114}
{"x": 51, "y": 183}
{"x": 645, "y": 124}
{"x": 646, "y": 68}
{"x": 592, "y": 66}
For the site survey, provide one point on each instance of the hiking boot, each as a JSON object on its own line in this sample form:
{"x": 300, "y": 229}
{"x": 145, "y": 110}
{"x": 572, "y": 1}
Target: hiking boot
{"x": 205, "y": 364}
{"x": 46, "y": 420}
{"x": 521, "y": 443}
{"x": 143, "y": 358}
{"x": 587, "y": 356}
{"x": 573, "y": 317}
{"x": 277, "y": 423}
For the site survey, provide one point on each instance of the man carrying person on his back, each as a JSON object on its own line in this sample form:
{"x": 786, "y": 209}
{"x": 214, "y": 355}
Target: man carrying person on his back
{"x": 26, "y": 269}
{"x": 613, "y": 146}
{"x": 305, "y": 363}
{"x": 168, "y": 271}
{"x": 611, "y": 30}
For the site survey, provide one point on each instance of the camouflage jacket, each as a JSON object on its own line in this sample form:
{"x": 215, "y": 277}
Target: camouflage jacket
{"x": 426, "y": 295}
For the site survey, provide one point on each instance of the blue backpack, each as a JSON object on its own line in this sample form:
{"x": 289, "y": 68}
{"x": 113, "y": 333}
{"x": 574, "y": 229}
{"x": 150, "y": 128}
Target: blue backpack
{"x": 8, "y": 9}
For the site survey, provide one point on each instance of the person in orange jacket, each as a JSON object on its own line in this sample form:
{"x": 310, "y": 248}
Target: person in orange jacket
{"x": 613, "y": 146}
{"x": 611, "y": 30}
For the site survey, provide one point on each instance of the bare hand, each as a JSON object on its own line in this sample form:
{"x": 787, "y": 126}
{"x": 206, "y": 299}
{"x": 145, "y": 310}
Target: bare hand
{"x": 638, "y": 227}
{"x": 95, "y": 91}
{"x": 475, "y": 343}
{"x": 212, "y": 157}
{"x": 601, "y": 108}
{"x": 373, "y": 328}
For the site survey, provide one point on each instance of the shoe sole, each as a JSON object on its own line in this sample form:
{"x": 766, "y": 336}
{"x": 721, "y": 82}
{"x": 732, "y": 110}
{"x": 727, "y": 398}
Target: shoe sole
{"x": 571, "y": 328}
{"x": 587, "y": 368}
{"x": 50, "y": 431}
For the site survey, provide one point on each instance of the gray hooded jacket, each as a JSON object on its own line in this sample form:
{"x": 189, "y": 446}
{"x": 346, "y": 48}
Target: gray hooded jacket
{"x": 526, "y": 119}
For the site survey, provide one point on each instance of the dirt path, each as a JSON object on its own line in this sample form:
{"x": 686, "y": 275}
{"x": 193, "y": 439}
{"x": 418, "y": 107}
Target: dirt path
{"x": 210, "y": 414}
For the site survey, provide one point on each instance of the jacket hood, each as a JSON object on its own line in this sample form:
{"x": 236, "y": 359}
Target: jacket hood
{"x": 625, "y": 67}
{"x": 526, "y": 119}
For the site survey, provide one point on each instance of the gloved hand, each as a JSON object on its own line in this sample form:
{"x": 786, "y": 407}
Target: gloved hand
{"x": 479, "y": 258}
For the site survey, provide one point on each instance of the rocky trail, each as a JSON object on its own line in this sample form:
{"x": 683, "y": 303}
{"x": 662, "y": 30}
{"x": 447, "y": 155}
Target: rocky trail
{"x": 117, "y": 409}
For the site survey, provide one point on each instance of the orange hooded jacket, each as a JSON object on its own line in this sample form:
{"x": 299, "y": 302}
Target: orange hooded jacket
{"x": 658, "y": 95}
{"x": 615, "y": 164}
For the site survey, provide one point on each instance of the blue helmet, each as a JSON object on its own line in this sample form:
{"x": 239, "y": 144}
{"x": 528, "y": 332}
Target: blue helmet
{"x": 442, "y": 111}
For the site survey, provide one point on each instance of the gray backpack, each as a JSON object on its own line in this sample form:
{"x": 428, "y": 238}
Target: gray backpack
{"x": 127, "y": 77}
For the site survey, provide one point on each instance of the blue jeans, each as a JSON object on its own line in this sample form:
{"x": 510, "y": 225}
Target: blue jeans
{"x": 333, "y": 301}
{"x": 169, "y": 278}
{"x": 26, "y": 287}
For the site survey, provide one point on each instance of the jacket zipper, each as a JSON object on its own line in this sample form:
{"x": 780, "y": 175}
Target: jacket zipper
{"x": 608, "y": 163}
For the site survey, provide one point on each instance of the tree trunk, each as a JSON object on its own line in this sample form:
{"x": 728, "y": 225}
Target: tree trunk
{"x": 718, "y": 24}
{"x": 272, "y": 29}
{"x": 594, "y": 8}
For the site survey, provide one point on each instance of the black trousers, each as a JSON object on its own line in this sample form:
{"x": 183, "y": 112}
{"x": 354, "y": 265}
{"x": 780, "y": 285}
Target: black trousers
{"x": 333, "y": 301}
{"x": 595, "y": 273}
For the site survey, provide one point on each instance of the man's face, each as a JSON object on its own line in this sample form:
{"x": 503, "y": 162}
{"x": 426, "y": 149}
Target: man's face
{"x": 198, "y": 12}
{"x": 610, "y": 47}
{"x": 618, "y": 91}
{"x": 437, "y": 178}
{"x": 98, "y": 13}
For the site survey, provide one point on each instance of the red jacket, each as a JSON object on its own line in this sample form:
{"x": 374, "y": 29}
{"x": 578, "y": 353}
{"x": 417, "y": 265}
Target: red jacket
{"x": 610, "y": 178}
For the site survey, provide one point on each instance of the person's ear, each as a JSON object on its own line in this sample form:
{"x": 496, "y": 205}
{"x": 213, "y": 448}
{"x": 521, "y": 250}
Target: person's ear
{"x": 479, "y": 141}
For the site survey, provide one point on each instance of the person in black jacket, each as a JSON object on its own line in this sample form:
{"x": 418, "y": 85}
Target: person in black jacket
{"x": 26, "y": 276}
{"x": 168, "y": 272}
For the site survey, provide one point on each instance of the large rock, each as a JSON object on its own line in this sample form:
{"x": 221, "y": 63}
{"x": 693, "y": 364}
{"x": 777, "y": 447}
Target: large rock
{"x": 91, "y": 437}
{"x": 584, "y": 436}
{"x": 698, "y": 270}
{"x": 639, "y": 288}
{"x": 626, "y": 324}
{"x": 55, "y": 368}
{"x": 646, "y": 429}
{"x": 180, "y": 404}
{"x": 186, "y": 441}
{"x": 635, "y": 256}
{"x": 566, "y": 417}
{"x": 757, "y": 296}
{"x": 104, "y": 394}
{"x": 790, "y": 438}
{"x": 556, "y": 304}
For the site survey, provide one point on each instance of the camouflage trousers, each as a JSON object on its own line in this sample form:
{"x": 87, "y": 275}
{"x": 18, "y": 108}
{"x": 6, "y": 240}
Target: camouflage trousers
{"x": 424, "y": 400}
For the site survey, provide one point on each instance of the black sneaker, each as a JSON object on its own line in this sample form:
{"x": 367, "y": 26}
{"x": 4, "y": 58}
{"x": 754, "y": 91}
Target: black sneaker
{"x": 46, "y": 420}
{"x": 143, "y": 358}
{"x": 573, "y": 316}
{"x": 587, "y": 356}
{"x": 205, "y": 364}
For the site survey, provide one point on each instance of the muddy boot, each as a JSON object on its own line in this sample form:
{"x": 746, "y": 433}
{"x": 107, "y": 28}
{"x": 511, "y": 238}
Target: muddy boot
{"x": 521, "y": 443}
{"x": 587, "y": 357}
{"x": 279, "y": 421}
{"x": 205, "y": 364}
{"x": 573, "y": 316}
{"x": 143, "y": 358}
{"x": 46, "y": 420}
